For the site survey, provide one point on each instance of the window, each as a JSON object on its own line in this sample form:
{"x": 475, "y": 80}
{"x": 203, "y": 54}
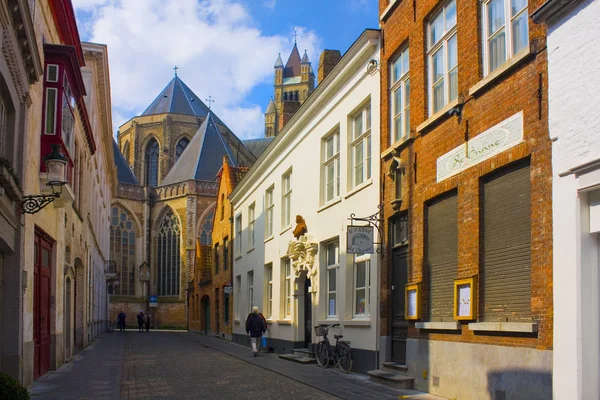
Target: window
{"x": 152, "y": 163}
{"x": 222, "y": 206}
{"x": 506, "y": 31}
{"x": 206, "y": 233}
{"x": 362, "y": 283}
{"x": 52, "y": 73}
{"x": 331, "y": 166}
{"x": 225, "y": 253}
{"x": 51, "y": 94}
{"x": 251, "y": 290}
{"x": 181, "y": 145}
{"x": 442, "y": 57}
{"x": 226, "y": 307}
{"x": 126, "y": 152}
{"x": 269, "y": 290}
{"x": 169, "y": 254}
{"x": 269, "y": 206}
{"x": 399, "y": 230}
{"x": 287, "y": 287}
{"x": 216, "y": 258}
{"x": 68, "y": 119}
{"x": 122, "y": 250}
{"x": 398, "y": 183}
{"x": 251, "y": 223}
{"x": 332, "y": 262}
{"x": 236, "y": 299}
{"x": 360, "y": 132}
{"x": 286, "y": 200}
{"x": 238, "y": 235}
{"x": 400, "y": 96}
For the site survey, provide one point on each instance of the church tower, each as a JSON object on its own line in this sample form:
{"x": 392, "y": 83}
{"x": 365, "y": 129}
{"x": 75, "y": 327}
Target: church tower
{"x": 292, "y": 85}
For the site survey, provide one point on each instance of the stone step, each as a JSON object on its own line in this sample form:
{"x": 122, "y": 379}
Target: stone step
{"x": 298, "y": 358}
{"x": 395, "y": 367}
{"x": 391, "y": 379}
{"x": 301, "y": 352}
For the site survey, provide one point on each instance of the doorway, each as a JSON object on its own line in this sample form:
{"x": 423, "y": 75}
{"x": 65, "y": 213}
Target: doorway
{"x": 205, "y": 305}
{"x": 217, "y": 311}
{"x": 41, "y": 306}
{"x": 399, "y": 323}
{"x": 67, "y": 303}
{"x": 307, "y": 314}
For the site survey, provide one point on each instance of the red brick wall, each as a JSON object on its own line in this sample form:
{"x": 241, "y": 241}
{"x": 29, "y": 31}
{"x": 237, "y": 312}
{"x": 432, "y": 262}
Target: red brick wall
{"x": 516, "y": 91}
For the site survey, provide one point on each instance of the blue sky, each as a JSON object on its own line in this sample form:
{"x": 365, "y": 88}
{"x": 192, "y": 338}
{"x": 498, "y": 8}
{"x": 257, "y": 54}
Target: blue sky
{"x": 224, "y": 48}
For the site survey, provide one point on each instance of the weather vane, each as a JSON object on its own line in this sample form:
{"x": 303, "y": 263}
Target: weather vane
{"x": 209, "y": 101}
{"x": 175, "y": 68}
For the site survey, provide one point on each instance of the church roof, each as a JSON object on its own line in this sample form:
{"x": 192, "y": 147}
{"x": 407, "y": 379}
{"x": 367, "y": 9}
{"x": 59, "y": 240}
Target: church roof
{"x": 305, "y": 58}
{"x": 202, "y": 158}
{"x": 258, "y": 146}
{"x": 292, "y": 67}
{"x": 124, "y": 174}
{"x": 271, "y": 107}
{"x": 177, "y": 98}
{"x": 279, "y": 62}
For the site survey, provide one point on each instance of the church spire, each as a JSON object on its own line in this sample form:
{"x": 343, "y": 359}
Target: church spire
{"x": 279, "y": 62}
{"x": 305, "y": 59}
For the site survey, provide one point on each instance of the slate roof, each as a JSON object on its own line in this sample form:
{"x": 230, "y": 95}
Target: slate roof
{"x": 292, "y": 67}
{"x": 124, "y": 173}
{"x": 258, "y": 146}
{"x": 202, "y": 158}
{"x": 178, "y": 98}
{"x": 271, "y": 107}
{"x": 305, "y": 58}
{"x": 279, "y": 62}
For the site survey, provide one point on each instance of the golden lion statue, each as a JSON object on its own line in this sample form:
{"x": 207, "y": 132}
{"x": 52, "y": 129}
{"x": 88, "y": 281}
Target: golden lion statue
{"x": 301, "y": 228}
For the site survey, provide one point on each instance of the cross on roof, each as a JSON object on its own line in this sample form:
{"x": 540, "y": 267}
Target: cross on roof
{"x": 209, "y": 101}
{"x": 175, "y": 68}
{"x": 295, "y": 35}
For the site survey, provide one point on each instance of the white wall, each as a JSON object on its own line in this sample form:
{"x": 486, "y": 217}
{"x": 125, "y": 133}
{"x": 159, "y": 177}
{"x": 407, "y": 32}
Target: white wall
{"x": 574, "y": 117}
{"x": 300, "y": 150}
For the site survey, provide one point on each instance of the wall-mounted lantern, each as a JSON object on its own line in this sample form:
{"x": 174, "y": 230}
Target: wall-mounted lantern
{"x": 56, "y": 168}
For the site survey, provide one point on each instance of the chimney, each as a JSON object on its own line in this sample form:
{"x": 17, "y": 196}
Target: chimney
{"x": 328, "y": 60}
{"x": 288, "y": 109}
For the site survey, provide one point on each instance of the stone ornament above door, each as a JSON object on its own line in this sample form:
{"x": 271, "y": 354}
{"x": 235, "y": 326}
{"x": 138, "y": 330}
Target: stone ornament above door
{"x": 302, "y": 254}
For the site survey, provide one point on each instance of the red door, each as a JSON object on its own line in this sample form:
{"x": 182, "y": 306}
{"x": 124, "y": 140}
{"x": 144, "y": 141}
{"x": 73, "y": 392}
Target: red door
{"x": 41, "y": 306}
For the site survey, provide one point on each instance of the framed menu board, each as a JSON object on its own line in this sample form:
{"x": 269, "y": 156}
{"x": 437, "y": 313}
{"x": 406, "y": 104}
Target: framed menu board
{"x": 412, "y": 301}
{"x": 465, "y": 299}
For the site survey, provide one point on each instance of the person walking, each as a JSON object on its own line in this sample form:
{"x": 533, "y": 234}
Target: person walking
{"x": 140, "y": 321}
{"x": 147, "y": 320}
{"x": 121, "y": 321}
{"x": 255, "y": 327}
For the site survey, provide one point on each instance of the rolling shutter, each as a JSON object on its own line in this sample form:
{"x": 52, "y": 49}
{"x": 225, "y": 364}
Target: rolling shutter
{"x": 506, "y": 270}
{"x": 442, "y": 256}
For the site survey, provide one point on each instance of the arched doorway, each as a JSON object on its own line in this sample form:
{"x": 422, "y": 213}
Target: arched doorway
{"x": 205, "y": 314}
{"x": 79, "y": 293}
{"x": 304, "y": 309}
{"x": 68, "y": 308}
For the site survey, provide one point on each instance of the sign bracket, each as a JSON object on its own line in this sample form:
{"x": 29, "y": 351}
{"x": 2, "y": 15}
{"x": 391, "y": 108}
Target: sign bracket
{"x": 375, "y": 220}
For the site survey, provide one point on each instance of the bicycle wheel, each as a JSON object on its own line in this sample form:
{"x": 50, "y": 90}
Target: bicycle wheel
{"x": 345, "y": 357}
{"x": 322, "y": 354}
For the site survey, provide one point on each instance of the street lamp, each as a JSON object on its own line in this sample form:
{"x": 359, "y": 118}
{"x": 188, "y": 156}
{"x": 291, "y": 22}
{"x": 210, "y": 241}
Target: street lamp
{"x": 56, "y": 164}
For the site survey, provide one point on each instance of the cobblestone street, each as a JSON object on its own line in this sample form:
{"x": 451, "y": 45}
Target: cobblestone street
{"x": 175, "y": 365}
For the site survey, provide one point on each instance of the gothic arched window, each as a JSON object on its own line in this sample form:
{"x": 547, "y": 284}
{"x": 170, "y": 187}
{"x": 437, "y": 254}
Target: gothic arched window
{"x": 122, "y": 250}
{"x": 126, "y": 152}
{"x": 206, "y": 234}
{"x": 181, "y": 145}
{"x": 285, "y": 96}
{"x": 296, "y": 96}
{"x": 168, "y": 255}
{"x": 152, "y": 163}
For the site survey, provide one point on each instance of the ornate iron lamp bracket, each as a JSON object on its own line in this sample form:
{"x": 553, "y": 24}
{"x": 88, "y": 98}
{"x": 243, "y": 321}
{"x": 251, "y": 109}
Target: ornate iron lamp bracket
{"x": 33, "y": 204}
{"x": 375, "y": 220}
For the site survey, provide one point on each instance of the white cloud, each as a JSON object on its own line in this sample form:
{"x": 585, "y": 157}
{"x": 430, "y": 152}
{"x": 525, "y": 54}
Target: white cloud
{"x": 270, "y": 4}
{"x": 217, "y": 44}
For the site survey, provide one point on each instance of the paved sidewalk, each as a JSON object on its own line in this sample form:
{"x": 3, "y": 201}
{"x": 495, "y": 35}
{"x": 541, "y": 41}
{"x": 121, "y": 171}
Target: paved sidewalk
{"x": 331, "y": 380}
{"x": 94, "y": 373}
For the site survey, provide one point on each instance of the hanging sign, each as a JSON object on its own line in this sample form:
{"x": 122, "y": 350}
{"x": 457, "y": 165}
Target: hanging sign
{"x": 359, "y": 240}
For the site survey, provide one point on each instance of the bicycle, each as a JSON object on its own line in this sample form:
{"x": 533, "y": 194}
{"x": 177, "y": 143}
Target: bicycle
{"x": 325, "y": 352}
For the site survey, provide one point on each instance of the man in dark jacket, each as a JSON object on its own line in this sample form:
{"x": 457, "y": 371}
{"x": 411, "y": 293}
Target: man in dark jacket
{"x": 121, "y": 321}
{"x": 147, "y": 320}
{"x": 255, "y": 327}
{"x": 140, "y": 321}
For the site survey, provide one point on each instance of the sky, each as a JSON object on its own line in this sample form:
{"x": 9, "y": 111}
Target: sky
{"x": 223, "y": 48}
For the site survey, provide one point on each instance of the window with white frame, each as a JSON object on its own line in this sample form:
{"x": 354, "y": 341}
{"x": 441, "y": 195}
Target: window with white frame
{"x": 250, "y": 290}
{"x": 286, "y": 200}
{"x": 362, "y": 283}
{"x": 236, "y": 299}
{"x": 331, "y": 166}
{"x": 269, "y": 290}
{"x": 505, "y": 29}
{"x": 400, "y": 95}
{"x": 332, "y": 262}
{"x": 238, "y": 234}
{"x": 360, "y": 134}
{"x": 286, "y": 272}
{"x": 442, "y": 57}
{"x": 251, "y": 223}
{"x": 269, "y": 206}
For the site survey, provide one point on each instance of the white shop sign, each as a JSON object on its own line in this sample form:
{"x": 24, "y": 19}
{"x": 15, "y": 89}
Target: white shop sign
{"x": 359, "y": 240}
{"x": 495, "y": 140}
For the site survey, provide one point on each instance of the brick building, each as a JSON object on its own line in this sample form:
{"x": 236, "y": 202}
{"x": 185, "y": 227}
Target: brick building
{"x": 211, "y": 303}
{"x": 466, "y": 178}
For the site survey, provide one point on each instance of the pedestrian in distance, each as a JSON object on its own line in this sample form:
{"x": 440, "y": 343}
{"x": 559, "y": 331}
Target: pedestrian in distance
{"x": 121, "y": 321}
{"x": 147, "y": 320}
{"x": 256, "y": 326}
{"x": 140, "y": 321}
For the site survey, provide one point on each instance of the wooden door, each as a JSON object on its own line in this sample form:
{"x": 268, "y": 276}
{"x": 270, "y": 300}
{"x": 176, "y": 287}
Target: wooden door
{"x": 41, "y": 307}
{"x": 307, "y": 314}
{"x": 399, "y": 323}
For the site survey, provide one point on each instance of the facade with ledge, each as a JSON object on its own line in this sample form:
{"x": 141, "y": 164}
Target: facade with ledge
{"x": 322, "y": 167}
